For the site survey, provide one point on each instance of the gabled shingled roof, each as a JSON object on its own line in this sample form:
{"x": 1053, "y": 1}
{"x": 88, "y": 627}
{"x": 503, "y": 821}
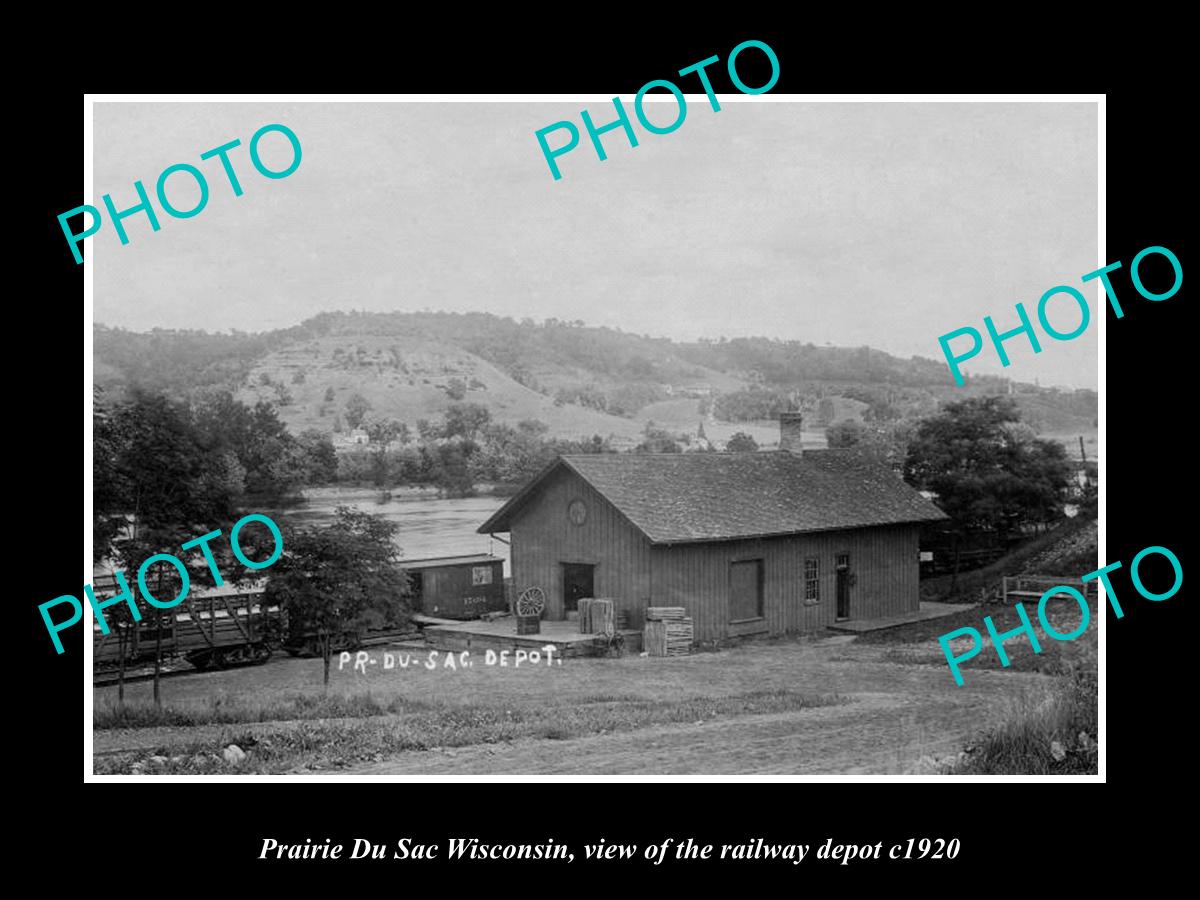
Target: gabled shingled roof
{"x": 687, "y": 497}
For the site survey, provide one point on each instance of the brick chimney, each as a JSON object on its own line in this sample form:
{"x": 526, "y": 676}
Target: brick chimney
{"x": 789, "y": 432}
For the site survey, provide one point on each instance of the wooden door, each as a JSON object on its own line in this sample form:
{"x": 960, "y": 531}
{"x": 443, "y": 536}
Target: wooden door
{"x": 843, "y": 586}
{"x": 745, "y": 590}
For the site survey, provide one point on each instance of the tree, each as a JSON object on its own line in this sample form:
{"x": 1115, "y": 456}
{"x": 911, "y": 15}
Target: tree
{"x": 740, "y": 442}
{"x": 456, "y": 388}
{"x": 172, "y": 488}
{"x": 318, "y": 458}
{"x": 339, "y": 579}
{"x": 450, "y": 467}
{"x": 847, "y": 433}
{"x": 357, "y": 406}
{"x": 120, "y": 619}
{"x": 108, "y": 486}
{"x": 109, "y": 490}
{"x": 381, "y": 430}
{"x": 465, "y": 420}
{"x": 887, "y": 442}
{"x": 988, "y": 470}
{"x": 329, "y": 394}
{"x": 255, "y": 437}
{"x": 1085, "y": 493}
{"x": 429, "y": 431}
{"x": 657, "y": 440}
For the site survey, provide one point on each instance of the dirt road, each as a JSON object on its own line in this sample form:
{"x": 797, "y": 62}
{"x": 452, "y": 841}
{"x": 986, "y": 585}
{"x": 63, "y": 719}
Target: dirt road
{"x": 857, "y": 738}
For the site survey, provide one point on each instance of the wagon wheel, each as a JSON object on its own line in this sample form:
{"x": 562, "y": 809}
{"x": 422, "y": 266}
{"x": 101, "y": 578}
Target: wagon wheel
{"x": 531, "y": 602}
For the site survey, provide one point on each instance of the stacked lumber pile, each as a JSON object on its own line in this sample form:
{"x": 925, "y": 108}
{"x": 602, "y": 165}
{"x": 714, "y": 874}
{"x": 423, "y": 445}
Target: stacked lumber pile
{"x": 666, "y": 613}
{"x": 597, "y": 616}
{"x": 668, "y": 631}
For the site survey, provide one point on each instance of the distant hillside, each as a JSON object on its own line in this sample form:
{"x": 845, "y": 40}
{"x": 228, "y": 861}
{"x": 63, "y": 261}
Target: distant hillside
{"x": 406, "y": 377}
{"x": 577, "y": 379}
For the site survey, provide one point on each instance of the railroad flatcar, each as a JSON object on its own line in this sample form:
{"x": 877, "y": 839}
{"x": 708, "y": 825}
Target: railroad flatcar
{"x": 233, "y": 625}
{"x": 225, "y": 626}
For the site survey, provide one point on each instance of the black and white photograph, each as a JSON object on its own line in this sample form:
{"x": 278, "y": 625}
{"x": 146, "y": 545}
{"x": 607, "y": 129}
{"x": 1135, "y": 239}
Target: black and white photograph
{"x": 519, "y": 437}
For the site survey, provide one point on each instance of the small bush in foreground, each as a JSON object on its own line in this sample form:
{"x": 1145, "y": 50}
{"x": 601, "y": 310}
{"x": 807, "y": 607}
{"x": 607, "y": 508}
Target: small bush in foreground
{"x": 1055, "y": 736}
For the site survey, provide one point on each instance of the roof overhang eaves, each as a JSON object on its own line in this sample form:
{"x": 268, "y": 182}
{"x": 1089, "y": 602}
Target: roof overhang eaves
{"x": 668, "y": 542}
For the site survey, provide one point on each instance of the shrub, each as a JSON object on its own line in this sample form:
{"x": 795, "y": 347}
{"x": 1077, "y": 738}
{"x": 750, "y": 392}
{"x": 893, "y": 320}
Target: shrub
{"x": 1053, "y": 735}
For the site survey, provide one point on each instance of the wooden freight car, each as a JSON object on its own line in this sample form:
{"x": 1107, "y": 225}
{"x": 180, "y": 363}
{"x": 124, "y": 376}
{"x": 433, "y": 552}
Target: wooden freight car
{"x": 457, "y": 587}
{"x": 216, "y": 627}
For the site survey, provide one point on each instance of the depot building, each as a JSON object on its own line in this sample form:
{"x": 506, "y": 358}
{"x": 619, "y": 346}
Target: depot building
{"x": 766, "y": 542}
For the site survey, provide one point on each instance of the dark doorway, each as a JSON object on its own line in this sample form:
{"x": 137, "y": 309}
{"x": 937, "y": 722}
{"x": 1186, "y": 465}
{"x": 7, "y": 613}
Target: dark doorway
{"x": 416, "y": 584}
{"x": 577, "y": 583}
{"x": 843, "y": 586}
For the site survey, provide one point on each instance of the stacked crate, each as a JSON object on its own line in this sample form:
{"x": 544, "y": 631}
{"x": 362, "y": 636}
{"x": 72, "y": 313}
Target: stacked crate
{"x": 597, "y": 616}
{"x": 668, "y": 631}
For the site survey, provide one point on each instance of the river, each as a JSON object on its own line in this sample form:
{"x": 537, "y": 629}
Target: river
{"x": 429, "y": 526}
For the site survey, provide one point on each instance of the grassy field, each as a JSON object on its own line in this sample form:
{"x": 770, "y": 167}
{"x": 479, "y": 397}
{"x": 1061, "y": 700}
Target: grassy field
{"x": 917, "y": 644}
{"x": 811, "y": 705}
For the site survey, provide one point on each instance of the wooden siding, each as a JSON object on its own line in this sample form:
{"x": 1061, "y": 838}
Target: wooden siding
{"x": 450, "y": 592}
{"x": 543, "y": 538}
{"x": 883, "y": 562}
{"x": 628, "y": 569}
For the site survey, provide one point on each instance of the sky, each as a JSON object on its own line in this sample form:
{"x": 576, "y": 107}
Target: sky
{"x": 880, "y": 224}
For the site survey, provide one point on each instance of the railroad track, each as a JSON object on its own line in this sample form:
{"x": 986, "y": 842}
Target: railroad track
{"x": 108, "y": 678}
